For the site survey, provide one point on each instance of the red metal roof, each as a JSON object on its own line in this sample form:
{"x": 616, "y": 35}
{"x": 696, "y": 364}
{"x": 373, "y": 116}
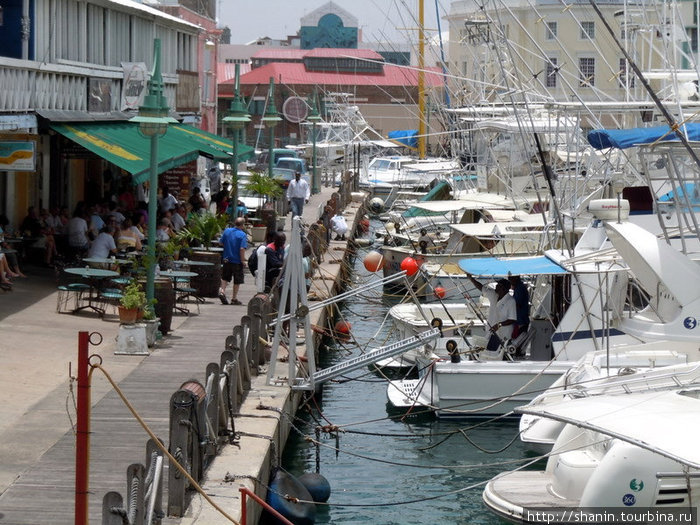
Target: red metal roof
{"x": 327, "y": 52}
{"x": 295, "y": 73}
{"x": 280, "y": 53}
{"x": 226, "y": 71}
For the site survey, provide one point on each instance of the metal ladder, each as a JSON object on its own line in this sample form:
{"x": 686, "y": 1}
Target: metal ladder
{"x": 340, "y": 369}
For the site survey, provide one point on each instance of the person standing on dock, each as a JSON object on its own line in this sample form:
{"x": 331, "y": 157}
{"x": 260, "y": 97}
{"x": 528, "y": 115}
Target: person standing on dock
{"x": 235, "y": 242}
{"x": 298, "y": 193}
{"x": 502, "y": 312}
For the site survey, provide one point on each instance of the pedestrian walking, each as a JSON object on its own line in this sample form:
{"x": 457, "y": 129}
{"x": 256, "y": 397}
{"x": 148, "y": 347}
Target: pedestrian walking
{"x": 235, "y": 242}
{"x": 298, "y": 194}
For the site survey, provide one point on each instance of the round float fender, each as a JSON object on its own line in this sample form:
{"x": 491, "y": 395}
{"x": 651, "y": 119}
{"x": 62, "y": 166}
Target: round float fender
{"x": 317, "y": 485}
{"x": 284, "y": 484}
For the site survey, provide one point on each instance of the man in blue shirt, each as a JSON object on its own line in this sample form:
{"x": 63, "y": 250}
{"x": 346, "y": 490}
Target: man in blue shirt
{"x": 234, "y": 241}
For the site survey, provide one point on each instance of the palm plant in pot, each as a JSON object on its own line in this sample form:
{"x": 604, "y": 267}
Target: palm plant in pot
{"x": 202, "y": 229}
{"x": 268, "y": 189}
{"x": 132, "y": 303}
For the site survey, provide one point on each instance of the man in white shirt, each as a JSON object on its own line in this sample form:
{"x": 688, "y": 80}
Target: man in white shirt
{"x": 502, "y": 316}
{"x": 298, "y": 193}
{"x": 178, "y": 218}
{"x": 103, "y": 246}
{"x": 339, "y": 226}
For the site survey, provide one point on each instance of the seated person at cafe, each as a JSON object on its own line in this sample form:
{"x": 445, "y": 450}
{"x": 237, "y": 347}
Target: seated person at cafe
{"x": 177, "y": 220}
{"x": 103, "y": 246}
{"x": 163, "y": 231}
{"x": 77, "y": 230}
{"x": 127, "y": 239}
{"x": 42, "y": 235}
{"x": 197, "y": 201}
{"x": 11, "y": 255}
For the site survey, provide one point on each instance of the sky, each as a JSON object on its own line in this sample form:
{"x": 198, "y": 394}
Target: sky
{"x": 379, "y": 20}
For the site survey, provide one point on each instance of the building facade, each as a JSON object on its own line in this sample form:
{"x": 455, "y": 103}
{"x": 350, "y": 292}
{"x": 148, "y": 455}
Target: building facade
{"x": 70, "y": 61}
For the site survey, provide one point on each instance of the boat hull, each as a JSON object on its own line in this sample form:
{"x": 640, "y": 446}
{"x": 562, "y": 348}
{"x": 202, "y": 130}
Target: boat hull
{"x": 476, "y": 388}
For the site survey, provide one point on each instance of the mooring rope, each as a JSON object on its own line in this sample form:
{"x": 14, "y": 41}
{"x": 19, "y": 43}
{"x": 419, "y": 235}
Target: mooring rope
{"x": 158, "y": 443}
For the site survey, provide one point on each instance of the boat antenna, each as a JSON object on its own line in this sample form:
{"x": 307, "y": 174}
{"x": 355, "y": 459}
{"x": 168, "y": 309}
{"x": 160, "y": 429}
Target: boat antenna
{"x": 675, "y": 127}
{"x": 549, "y": 177}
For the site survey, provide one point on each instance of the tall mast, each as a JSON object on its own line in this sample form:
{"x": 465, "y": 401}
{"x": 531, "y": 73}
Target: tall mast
{"x": 421, "y": 81}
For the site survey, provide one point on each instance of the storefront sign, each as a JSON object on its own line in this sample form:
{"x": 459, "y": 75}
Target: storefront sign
{"x": 17, "y": 156}
{"x": 135, "y": 84}
{"x": 178, "y": 180}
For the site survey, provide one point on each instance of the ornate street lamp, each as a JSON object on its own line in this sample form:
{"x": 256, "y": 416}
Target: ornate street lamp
{"x": 153, "y": 122}
{"x": 271, "y": 119}
{"x": 237, "y": 118}
{"x": 314, "y": 118}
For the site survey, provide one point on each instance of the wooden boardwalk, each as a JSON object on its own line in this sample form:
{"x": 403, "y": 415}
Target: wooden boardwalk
{"x": 44, "y": 493}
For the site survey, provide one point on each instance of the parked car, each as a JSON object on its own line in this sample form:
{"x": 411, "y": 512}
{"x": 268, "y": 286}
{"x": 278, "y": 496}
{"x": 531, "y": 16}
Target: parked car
{"x": 262, "y": 163}
{"x": 285, "y": 169}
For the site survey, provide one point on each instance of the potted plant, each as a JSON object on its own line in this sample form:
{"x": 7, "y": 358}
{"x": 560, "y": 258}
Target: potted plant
{"x": 202, "y": 228}
{"x": 266, "y": 188}
{"x": 132, "y": 302}
{"x": 152, "y": 322}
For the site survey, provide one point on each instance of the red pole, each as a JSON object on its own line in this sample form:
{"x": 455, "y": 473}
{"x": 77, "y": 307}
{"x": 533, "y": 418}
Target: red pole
{"x": 246, "y": 491}
{"x": 82, "y": 444}
{"x": 244, "y": 507}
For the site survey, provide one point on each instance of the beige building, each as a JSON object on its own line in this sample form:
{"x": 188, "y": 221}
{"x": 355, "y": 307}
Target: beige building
{"x": 550, "y": 51}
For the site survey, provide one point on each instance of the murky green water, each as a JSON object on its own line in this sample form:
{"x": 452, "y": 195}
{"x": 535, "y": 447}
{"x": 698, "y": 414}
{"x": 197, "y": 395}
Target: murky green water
{"x": 389, "y": 470}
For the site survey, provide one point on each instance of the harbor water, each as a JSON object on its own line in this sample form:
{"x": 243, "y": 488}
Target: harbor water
{"x": 385, "y": 467}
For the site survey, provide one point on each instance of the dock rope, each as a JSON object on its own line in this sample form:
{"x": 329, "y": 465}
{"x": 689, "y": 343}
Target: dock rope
{"x": 158, "y": 443}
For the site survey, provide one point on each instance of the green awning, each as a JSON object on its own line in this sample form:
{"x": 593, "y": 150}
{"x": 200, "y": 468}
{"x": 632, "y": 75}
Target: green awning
{"x": 121, "y": 144}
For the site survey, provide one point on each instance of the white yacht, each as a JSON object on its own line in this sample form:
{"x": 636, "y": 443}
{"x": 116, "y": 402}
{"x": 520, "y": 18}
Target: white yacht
{"x": 568, "y": 318}
{"x": 618, "y": 452}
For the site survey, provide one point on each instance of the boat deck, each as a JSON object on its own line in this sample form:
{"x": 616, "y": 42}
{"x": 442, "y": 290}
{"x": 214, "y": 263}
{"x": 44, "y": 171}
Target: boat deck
{"x": 510, "y": 494}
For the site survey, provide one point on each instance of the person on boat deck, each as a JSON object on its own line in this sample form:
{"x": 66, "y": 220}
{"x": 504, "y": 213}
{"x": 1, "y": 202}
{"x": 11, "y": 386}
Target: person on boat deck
{"x": 522, "y": 305}
{"x": 502, "y": 312}
{"x": 425, "y": 238}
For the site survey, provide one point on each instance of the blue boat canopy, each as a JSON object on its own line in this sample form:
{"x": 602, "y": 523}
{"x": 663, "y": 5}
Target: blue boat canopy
{"x": 405, "y": 137}
{"x": 502, "y": 267}
{"x": 626, "y": 138}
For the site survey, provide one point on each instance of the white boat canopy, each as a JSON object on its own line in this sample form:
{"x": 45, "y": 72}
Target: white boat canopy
{"x": 448, "y": 206}
{"x": 662, "y": 422}
{"x": 499, "y": 229}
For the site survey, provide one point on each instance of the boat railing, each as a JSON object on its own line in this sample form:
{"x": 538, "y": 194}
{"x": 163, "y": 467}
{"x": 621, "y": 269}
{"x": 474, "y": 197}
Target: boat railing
{"x": 649, "y": 380}
{"x": 245, "y": 493}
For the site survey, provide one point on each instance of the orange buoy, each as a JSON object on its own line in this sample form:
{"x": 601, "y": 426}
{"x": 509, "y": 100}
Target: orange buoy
{"x": 343, "y": 327}
{"x": 439, "y": 292}
{"x": 410, "y": 266}
{"x": 374, "y": 261}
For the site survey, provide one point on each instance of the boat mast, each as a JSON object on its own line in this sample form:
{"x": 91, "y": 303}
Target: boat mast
{"x": 421, "y": 81}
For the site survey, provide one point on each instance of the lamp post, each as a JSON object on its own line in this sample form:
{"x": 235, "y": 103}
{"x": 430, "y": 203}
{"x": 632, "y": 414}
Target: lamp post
{"x": 153, "y": 122}
{"x": 314, "y": 117}
{"x": 237, "y": 118}
{"x": 271, "y": 119}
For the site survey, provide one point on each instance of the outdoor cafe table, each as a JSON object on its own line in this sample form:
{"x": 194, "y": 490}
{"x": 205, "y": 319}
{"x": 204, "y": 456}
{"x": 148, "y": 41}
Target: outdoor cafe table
{"x": 94, "y": 277}
{"x": 187, "y": 262}
{"x": 174, "y": 275}
{"x": 105, "y": 260}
